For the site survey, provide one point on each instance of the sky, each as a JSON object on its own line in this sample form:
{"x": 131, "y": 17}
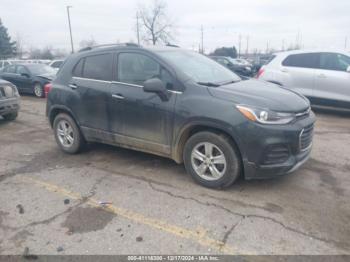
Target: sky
{"x": 264, "y": 23}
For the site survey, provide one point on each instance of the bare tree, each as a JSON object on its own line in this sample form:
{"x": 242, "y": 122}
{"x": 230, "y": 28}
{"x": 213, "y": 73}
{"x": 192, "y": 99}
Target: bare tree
{"x": 87, "y": 43}
{"x": 19, "y": 45}
{"x": 155, "y": 24}
{"x": 44, "y": 53}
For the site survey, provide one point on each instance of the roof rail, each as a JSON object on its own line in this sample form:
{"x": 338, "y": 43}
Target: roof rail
{"x": 108, "y": 45}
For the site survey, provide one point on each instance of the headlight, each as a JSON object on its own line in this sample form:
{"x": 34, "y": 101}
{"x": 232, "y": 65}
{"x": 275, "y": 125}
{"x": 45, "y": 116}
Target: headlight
{"x": 265, "y": 116}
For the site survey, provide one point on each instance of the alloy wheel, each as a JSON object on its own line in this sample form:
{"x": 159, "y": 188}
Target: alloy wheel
{"x": 208, "y": 161}
{"x": 65, "y": 133}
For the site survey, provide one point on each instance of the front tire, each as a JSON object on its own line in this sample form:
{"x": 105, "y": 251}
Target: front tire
{"x": 38, "y": 90}
{"x": 212, "y": 160}
{"x": 67, "y": 134}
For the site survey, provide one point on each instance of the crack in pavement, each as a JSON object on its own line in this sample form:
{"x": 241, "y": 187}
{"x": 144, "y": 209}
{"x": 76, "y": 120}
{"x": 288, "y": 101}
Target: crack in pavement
{"x": 229, "y": 232}
{"x": 244, "y": 216}
{"x": 47, "y": 221}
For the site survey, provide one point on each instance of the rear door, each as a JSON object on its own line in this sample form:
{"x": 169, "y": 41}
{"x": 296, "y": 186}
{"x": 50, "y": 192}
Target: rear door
{"x": 147, "y": 120}
{"x": 91, "y": 81}
{"x": 332, "y": 81}
{"x": 23, "y": 78}
{"x": 298, "y": 72}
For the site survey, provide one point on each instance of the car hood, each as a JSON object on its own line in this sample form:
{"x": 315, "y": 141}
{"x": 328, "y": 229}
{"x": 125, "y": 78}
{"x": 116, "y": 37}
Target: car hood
{"x": 262, "y": 94}
{"x": 47, "y": 76}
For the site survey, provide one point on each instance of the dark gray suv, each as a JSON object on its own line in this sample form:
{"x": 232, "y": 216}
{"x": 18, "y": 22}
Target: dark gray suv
{"x": 182, "y": 105}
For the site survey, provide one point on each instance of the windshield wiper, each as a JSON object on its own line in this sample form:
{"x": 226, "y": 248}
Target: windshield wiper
{"x": 210, "y": 84}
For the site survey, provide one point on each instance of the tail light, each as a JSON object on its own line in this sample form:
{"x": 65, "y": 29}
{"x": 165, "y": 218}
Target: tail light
{"x": 260, "y": 73}
{"x": 47, "y": 89}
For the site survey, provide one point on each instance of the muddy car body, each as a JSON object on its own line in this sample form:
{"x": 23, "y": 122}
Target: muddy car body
{"x": 181, "y": 105}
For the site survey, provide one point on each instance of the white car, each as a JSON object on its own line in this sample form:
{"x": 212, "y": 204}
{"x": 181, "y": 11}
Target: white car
{"x": 322, "y": 76}
{"x": 56, "y": 64}
{"x": 4, "y": 63}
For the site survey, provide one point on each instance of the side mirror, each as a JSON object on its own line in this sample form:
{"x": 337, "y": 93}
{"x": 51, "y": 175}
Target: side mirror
{"x": 348, "y": 69}
{"x": 25, "y": 75}
{"x": 155, "y": 85}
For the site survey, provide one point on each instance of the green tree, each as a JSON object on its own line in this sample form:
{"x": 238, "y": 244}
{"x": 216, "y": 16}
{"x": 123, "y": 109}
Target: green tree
{"x": 225, "y": 51}
{"x": 7, "y": 47}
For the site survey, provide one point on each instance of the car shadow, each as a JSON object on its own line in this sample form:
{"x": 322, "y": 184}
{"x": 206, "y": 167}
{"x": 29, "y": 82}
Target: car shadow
{"x": 170, "y": 168}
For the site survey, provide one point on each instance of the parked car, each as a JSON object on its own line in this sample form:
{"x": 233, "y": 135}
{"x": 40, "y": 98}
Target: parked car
{"x": 56, "y": 64}
{"x": 181, "y": 105}
{"x": 9, "y": 100}
{"x": 322, "y": 76}
{"x": 29, "y": 78}
{"x": 232, "y": 64}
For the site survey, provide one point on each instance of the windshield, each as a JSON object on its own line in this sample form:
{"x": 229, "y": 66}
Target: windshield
{"x": 40, "y": 69}
{"x": 199, "y": 67}
{"x": 233, "y": 61}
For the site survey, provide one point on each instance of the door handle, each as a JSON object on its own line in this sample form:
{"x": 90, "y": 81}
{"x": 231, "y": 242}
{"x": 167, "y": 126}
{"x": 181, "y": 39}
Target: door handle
{"x": 322, "y": 76}
{"x": 284, "y": 70}
{"x": 118, "y": 96}
{"x": 73, "y": 86}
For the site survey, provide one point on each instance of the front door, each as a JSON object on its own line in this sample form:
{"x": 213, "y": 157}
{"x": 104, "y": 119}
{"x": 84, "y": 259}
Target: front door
{"x": 147, "y": 119}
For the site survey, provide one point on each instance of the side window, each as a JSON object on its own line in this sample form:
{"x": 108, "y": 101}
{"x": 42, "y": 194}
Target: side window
{"x": 135, "y": 68}
{"x": 310, "y": 60}
{"x": 6, "y": 63}
{"x": 78, "y": 68}
{"x": 11, "y": 69}
{"x": 167, "y": 79}
{"x": 21, "y": 70}
{"x": 98, "y": 67}
{"x": 336, "y": 62}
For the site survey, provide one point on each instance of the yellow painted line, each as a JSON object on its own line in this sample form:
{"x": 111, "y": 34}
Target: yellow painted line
{"x": 199, "y": 236}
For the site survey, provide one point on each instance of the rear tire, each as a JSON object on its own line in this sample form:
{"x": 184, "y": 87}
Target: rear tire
{"x": 212, "y": 160}
{"x": 67, "y": 134}
{"x": 38, "y": 90}
{"x": 10, "y": 117}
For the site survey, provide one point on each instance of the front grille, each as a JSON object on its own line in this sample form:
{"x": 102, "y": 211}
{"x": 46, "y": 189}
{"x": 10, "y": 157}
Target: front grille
{"x": 306, "y": 136}
{"x": 276, "y": 154}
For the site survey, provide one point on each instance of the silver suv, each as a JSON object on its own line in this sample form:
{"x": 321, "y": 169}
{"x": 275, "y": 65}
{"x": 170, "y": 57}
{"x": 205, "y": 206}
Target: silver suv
{"x": 322, "y": 76}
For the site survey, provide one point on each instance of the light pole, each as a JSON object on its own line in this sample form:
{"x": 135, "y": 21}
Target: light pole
{"x": 70, "y": 28}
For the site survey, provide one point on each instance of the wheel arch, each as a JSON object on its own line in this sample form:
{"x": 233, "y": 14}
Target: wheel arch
{"x": 191, "y": 129}
{"x": 55, "y": 110}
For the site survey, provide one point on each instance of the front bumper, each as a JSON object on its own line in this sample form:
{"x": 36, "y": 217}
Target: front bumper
{"x": 9, "y": 105}
{"x": 286, "y": 140}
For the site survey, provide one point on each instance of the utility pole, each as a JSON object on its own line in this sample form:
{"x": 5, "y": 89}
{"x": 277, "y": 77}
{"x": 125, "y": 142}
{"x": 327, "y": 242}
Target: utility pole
{"x": 138, "y": 28}
{"x": 70, "y": 28}
{"x": 247, "y": 50}
{"x": 239, "y": 45}
{"x": 202, "y": 39}
{"x": 267, "y": 47}
{"x": 346, "y": 42}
